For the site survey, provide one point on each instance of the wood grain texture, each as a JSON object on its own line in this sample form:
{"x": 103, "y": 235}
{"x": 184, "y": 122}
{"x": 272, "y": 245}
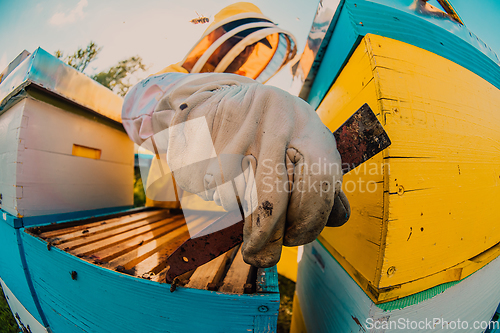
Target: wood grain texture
{"x": 433, "y": 210}
{"x": 354, "y": 87}
{"x": 129, "y": 304}
{"x": 210, "y": 273}
{"x": 265, "y": 324}
{"x": 157, "y": 262}
{"x": 237, "y": 276}
{"x": 443, "y": 37}
{"x": 142, "y": 239}
{"x": 445, "y": 168}
{"x": 337, "y": 304}
{"x": 144, "y": 232}
{"x": 131, "y": 258}
{"x": 41, "y": 175}
{"x": 63, "y": 232}
{"x": 140, "y": 243}
{"x": 267, "y": 280}
{"x": 10, "y": 127}
{"x": 53, "y": 129}
{"x": 124, "y": 229}
{"x": 124, "y": 247}
{"x": 12, "y": 268}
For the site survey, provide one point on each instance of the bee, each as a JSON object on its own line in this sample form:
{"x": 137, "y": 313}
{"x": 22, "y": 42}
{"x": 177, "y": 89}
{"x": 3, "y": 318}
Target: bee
{"x": 200, "y": 19}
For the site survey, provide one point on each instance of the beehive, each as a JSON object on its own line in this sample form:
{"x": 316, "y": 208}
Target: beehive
{"x": 62, "y": 146}
{"x": 424, "y": 212}
{"x": 107, "y": 274}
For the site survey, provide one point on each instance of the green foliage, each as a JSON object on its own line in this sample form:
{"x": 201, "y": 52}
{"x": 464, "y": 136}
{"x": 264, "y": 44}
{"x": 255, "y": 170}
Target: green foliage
{"x": 7, "y": 322}
{"x": 139, "y": 195}
{"x": 287, "y": 290}
{"x": 115, "y": 78}
{"x": 81, "y": 58}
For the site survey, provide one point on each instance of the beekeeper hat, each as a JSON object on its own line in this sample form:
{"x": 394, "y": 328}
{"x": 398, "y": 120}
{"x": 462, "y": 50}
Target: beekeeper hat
{"x": 243, "y": 41}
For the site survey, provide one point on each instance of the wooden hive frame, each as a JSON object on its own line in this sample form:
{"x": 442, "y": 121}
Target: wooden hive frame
{"x": 75, "y": 294}
{"x": 139, "y": 243}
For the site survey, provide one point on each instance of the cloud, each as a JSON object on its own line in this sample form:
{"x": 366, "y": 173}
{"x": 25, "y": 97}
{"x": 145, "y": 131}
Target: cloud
{"x": 75, "y": 14}
{"x": 39, "y": 8}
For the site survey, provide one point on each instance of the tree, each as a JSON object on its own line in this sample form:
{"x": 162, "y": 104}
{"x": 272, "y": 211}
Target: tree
{"x": 81, "y": 58}
{"x": 115, "y": 78}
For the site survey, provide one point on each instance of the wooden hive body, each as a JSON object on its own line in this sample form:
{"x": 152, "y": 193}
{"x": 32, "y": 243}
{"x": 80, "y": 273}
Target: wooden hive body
{"x": 424, "y": 211}
{"x": 74, "y": 256}
{"x": 119, "y": 285}
{"x": 422, "y": 240}
{"x": 61, "y": 150}
{"x": 469, "y": 303}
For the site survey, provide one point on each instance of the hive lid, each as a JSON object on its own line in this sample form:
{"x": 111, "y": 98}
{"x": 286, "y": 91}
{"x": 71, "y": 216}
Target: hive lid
{"x": 45, "y": 71}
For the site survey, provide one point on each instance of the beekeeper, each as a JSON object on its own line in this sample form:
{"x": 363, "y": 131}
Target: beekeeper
{"x": 214, "y": 120}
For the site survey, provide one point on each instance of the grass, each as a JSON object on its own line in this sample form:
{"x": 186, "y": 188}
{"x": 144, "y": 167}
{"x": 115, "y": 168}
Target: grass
{"x": 7, "y": 322}
{"x": 287, "y": 290}
{"x": 139, "y": 195}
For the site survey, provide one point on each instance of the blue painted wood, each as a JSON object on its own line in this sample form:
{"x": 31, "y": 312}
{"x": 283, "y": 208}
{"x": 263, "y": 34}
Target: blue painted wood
{"x": 395, "y": 19}
{"x": 19, "y": 222}
{"x": 332, "y": 302}
{"x": 493, "y": 330}
{"x": 74, "y": 216}
{"x": 265, "y": 324}
{"x": 328, "y": 294}
{"x": 12, "y": 270}
{"x": 101, "y": 300}
{"x": 342, "y": 44}
{"x": 28, "y": 278}
{"x": 11, "y": 220}
{"x": 267, "y": 280}
{"x": 494, "y": 326}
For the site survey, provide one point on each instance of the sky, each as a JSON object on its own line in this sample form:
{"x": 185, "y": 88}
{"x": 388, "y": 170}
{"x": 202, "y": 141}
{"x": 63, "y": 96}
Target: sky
{"x": 160, "y": 30}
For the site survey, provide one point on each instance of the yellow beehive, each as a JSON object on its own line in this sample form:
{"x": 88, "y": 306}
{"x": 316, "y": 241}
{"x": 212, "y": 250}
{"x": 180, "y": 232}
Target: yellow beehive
{"x": 424, "y": 212}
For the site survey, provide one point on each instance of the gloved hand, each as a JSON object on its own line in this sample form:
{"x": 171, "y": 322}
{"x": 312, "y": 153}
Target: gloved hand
{"x": 289, "y": 159}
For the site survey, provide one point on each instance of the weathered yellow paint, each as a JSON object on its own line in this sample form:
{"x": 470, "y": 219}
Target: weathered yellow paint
{"x": 434, "y": 208}
{"x": 86, "y": 152}
{"x": 297, "y": 325}
{"x": 287, "y": 266}
{"x": 393, "y": 292}
{"x": 358, "y": 240}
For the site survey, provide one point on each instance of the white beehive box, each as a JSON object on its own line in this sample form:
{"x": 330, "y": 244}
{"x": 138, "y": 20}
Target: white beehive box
{"x": 62, "y": 146}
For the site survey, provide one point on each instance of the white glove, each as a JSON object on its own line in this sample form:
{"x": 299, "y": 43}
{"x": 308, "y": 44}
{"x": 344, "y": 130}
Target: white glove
{"x": 296, "y": 168}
